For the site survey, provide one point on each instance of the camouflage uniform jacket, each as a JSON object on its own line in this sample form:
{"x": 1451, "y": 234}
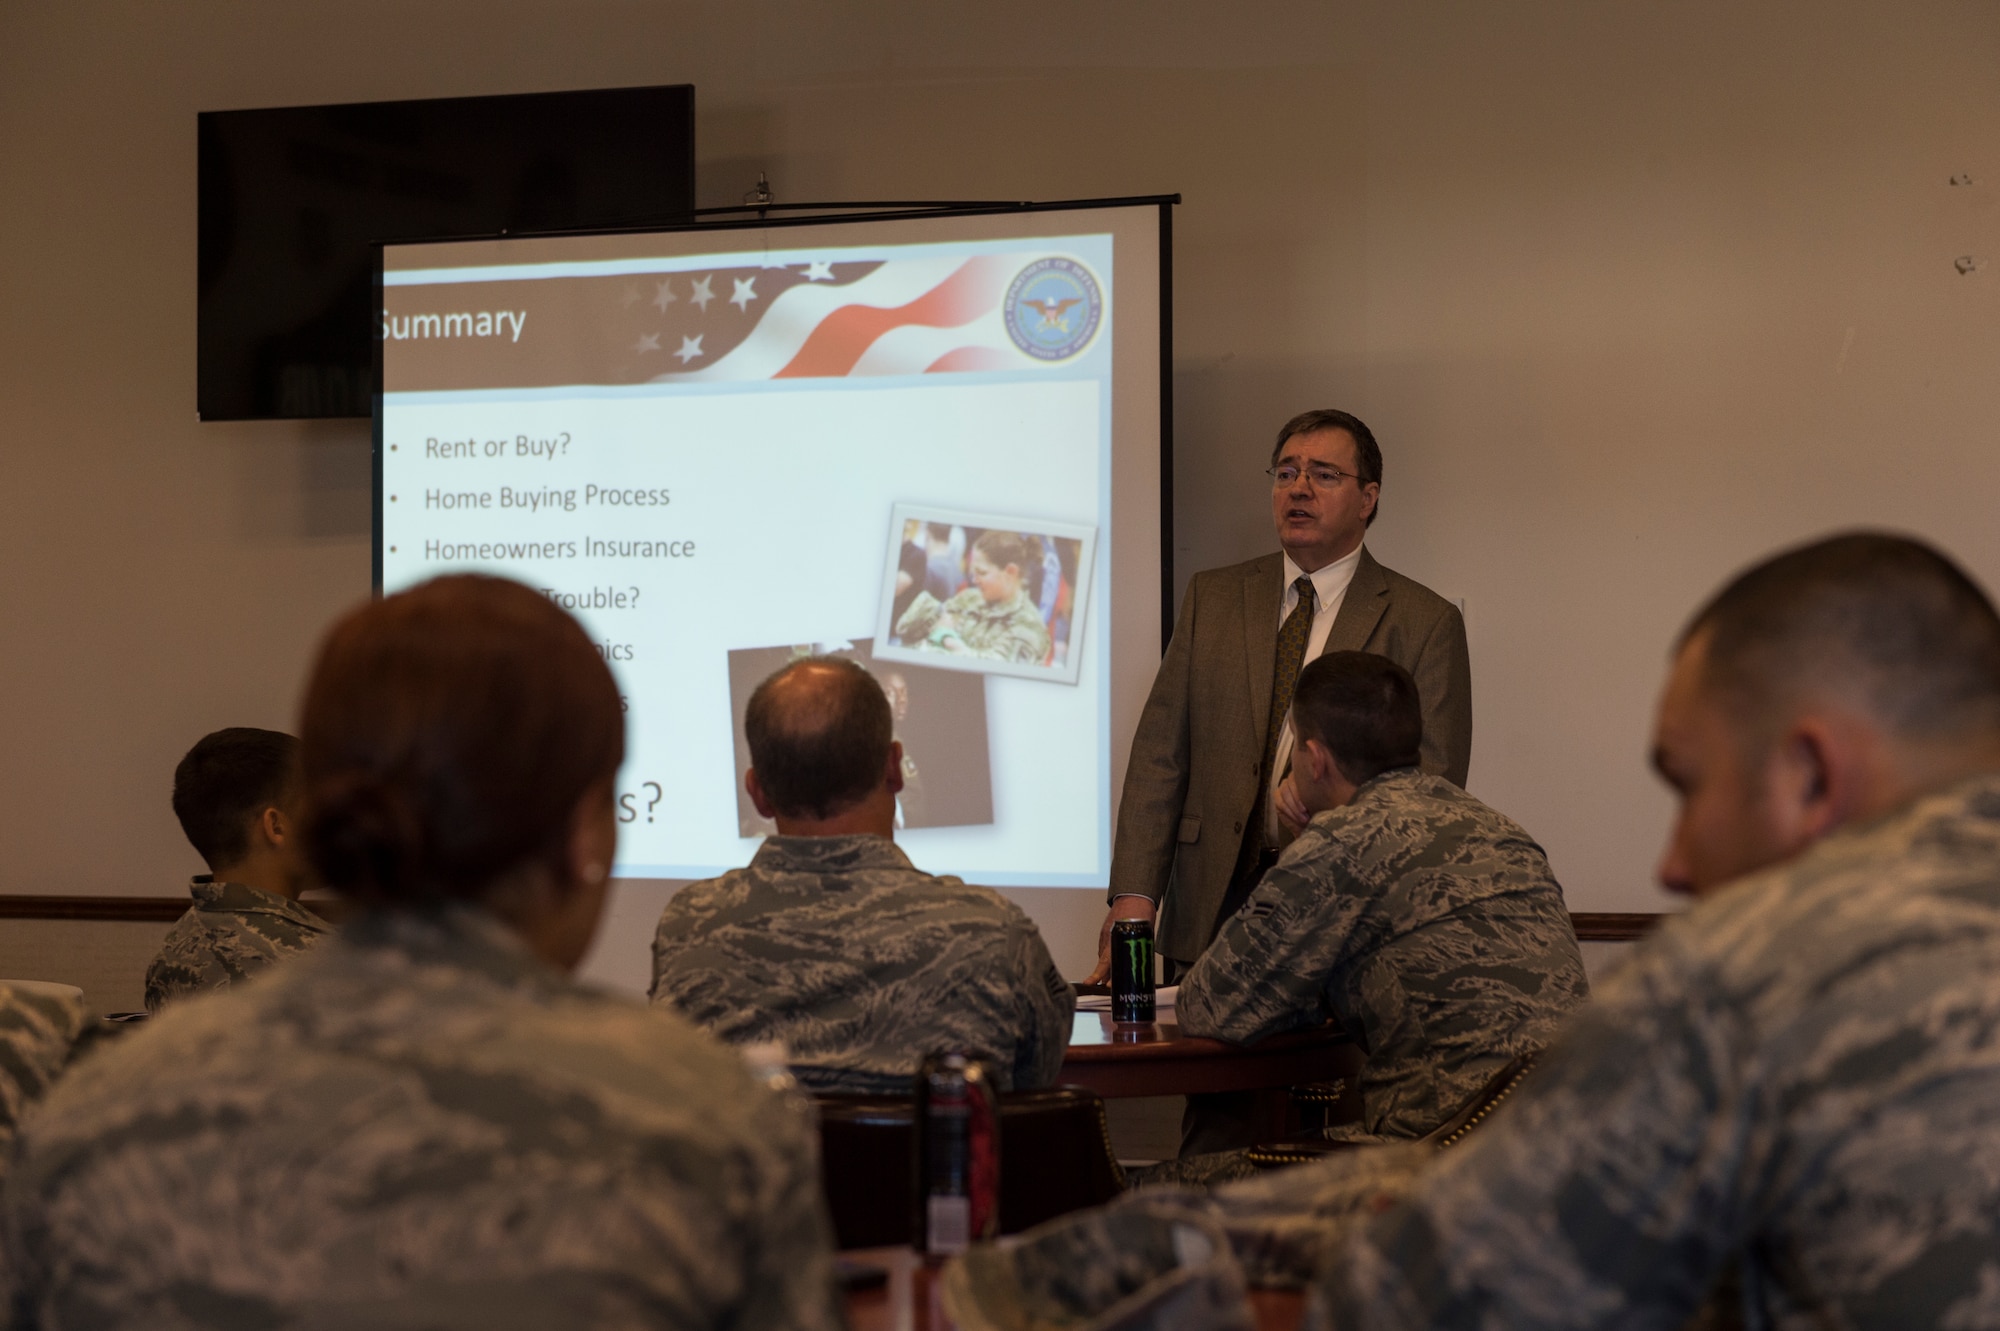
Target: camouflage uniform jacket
{"x": 862, "y": 964}
{"x": 37, "y": 1031}
{"x": 1010, "y": 631}
{"x": 1426, "y": 923}
{"x": 1801, "y": 1074}
{"x": 418, "y": 1125}
{"x": 231, "y": 932}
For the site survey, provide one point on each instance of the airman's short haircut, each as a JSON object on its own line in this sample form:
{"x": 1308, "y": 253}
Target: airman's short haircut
{"x": 226, "y": 781}
{"x": 819, "y": 732}
{"x": 1364, "y": 708}
{"x": 1889, "y": 621}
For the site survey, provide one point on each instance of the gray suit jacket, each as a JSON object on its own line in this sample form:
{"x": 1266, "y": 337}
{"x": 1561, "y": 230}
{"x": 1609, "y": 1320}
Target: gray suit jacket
{"x": 1192, "y": 779}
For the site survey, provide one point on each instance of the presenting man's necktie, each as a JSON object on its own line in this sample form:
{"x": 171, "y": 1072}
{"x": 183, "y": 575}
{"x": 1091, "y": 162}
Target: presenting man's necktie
{"x": 1291, "y": 659}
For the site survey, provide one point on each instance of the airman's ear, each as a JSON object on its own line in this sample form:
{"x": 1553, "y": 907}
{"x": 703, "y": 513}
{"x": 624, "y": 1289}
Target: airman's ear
{"x": 1318, "y": 759}
{"x": 593, "y": 836}
{"x": 893, "y": 778}
{"x": 755, "y": 790}
{"x": 1815, "y": 781}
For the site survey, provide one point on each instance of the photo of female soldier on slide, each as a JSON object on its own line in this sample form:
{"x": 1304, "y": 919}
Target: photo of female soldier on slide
{"x": 986, "y": 595}
{"x": 991, "y": 618}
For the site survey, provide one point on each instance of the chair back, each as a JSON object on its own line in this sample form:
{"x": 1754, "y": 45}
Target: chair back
{"x": 1299, "y": 1151}
{"x": 1502, "y": 1084}
{"x": 864, "y": 1167}
{"x": 1055, "y": 1157}
{"x": 1315, "y": 1106}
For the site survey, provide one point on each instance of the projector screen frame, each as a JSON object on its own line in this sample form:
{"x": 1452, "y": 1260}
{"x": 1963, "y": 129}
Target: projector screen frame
{"x": 836, "y": 215}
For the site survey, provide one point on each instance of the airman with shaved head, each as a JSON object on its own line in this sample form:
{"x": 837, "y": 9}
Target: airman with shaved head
{"x": 830, "y": 940}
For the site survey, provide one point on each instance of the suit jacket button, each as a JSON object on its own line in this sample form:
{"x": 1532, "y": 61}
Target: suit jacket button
{"x": 1239, "y": 827}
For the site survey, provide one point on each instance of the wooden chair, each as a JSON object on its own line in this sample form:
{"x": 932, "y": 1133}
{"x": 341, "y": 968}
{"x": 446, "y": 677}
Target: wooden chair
{"x": 1055, "y": 1157}
{"x": 1303, "y": 1150}
{"x": 1318, "y": 1105}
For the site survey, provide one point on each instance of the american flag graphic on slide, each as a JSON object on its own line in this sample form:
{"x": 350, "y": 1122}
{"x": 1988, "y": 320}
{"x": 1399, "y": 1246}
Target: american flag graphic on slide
{"x": 931, "y": 315}
{"x": 814, "y": 319}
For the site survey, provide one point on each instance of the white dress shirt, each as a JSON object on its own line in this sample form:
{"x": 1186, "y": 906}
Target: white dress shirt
{"x": 1330, "y": 589}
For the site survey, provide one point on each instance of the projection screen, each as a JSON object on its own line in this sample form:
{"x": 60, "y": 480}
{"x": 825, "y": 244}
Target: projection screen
{"x": 931, "y": 443}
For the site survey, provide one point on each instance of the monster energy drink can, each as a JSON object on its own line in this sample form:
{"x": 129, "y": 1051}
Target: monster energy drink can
{"x": 956, "y": 1171}
{"x": 1132, "y": 970}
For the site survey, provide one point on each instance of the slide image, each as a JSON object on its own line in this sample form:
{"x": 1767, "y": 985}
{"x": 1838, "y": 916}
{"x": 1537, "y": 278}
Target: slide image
{"x": 940, "y": 718}
{"x": 992, "y": 593}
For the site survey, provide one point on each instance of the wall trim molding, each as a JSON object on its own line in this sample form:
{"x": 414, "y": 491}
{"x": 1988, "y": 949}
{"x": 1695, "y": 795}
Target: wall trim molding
{"x": 1613, "y": 926}
{"x": 142, "y": 909}
{"x": 1591, "y": 926}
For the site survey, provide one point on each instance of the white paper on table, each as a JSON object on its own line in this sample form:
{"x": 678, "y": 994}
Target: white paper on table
{"x": 1162, "y": 998}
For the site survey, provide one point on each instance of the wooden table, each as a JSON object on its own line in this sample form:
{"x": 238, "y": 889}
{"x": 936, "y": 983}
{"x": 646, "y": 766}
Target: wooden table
{"x": 909, "y": 1302}
{"x": 1118, "y": 1059}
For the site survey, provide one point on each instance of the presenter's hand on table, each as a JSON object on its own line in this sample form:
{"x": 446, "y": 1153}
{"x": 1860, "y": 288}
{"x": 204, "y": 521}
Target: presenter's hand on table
{"x": 1125, "y": 908}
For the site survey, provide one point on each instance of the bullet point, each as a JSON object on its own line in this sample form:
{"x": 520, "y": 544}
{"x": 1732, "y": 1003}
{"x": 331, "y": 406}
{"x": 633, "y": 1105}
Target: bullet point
{"x": 392, "y": 499}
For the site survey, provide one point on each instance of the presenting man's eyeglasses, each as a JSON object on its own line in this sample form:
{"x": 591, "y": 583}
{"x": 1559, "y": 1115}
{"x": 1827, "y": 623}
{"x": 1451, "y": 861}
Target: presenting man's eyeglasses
{"x": 1323, "y": 478}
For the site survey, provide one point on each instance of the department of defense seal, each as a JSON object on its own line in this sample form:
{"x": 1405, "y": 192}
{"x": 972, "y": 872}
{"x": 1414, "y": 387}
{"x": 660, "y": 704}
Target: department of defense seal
{"x": 1053, "y": 308}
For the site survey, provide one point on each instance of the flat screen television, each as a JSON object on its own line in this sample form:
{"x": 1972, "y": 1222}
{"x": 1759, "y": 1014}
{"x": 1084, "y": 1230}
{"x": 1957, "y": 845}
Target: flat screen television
{"x": 293, "y": 199}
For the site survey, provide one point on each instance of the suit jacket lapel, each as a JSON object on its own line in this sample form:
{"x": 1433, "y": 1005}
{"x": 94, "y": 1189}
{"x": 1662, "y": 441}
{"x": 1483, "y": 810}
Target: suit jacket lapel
{"x": 1263, "y": 595}
{"x": 1360, "y": 610}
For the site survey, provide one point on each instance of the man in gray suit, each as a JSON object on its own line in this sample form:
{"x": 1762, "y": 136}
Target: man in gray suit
{"x": 1199, "y": 821}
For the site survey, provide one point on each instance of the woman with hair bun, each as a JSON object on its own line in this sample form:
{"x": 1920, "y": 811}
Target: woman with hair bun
{"x": 994, "y": 617}
{"x": 426, "y": 1122}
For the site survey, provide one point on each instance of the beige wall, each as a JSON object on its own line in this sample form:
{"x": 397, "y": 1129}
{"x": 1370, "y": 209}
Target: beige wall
{"x": 107, "y": 959}
{"x": 1631, "y": 293}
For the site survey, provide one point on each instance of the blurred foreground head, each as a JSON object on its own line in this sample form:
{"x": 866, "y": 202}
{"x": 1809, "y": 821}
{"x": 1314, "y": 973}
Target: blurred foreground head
{"x": 459, "y": 743}
{"x": 1826, "y": 685}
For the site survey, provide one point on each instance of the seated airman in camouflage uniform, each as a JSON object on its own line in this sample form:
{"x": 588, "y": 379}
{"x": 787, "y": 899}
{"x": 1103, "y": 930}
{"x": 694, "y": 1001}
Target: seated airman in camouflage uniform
{"x": 1426, "y": 923}
{"x": 831, "y": 941}
{"x": 236, "y": 795}
{"x": 425, "y": 1122}
{"x": 1787, "y": 1098}
{"x": 993, "y": 617}
{"x": 39, "y": 1026}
